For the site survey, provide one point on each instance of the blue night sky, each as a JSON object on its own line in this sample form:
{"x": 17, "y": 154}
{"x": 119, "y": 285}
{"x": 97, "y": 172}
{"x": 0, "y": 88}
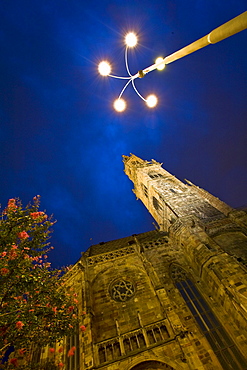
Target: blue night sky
{"x": 61, "y": 138}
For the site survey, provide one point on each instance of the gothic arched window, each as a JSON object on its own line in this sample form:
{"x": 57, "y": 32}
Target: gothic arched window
{"x": 145, "y": 190}
{"x": 155, "y": 175}
{"x": 222, "y": 345}
{"x": 147, "y": 365}
{"x": 156, "y": 204}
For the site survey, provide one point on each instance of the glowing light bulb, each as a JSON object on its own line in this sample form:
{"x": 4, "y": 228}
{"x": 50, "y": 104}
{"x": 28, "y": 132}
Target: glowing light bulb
{"x": 104, "y": 68}
{"x": 151, "y": 101}
{"x": 131, "y": 40}
{"x": 119, "y": 105}
{"x": 161, "y": 66}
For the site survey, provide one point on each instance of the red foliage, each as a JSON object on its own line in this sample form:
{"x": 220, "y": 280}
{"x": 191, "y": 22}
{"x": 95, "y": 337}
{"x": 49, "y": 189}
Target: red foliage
{"x": 4, "y": 271}
{"x": 19, "y": 325}
{"x": 23, "y": 235}
{"x": 34, "y": 304}
{"x": 71, "y": 352}
{"x": 14, "y": 362}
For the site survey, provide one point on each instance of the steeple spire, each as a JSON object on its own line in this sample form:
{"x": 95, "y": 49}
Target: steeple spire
{"x": 167, "y": 198}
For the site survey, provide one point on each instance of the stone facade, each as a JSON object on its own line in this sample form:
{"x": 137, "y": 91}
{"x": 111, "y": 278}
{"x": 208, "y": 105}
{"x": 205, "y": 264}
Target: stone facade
{"x": 173, "y": 298}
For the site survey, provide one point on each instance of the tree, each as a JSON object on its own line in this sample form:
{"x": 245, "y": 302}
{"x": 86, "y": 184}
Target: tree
{"x": 34, "y": 304}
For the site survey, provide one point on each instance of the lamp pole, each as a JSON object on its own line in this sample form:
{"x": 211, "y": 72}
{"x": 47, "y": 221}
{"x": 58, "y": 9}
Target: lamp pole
{"x": 220, "y": 33}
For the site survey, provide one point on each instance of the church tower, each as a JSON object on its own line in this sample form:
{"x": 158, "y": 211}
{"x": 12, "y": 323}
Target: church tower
{"x": 172, "y": 298}
{"x": 167, "y": 198}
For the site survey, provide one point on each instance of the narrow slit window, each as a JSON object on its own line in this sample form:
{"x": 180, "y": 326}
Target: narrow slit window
{"x": 224, "y": 348}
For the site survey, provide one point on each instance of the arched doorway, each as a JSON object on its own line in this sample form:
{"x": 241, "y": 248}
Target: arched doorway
{"x": 152, "y": 365}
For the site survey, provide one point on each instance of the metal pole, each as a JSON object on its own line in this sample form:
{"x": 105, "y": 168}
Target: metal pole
{"x": 220, "y": 33}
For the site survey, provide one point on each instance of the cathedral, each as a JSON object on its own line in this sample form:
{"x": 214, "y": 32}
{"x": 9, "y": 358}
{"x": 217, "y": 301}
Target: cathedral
{"x": 172, "y": 298}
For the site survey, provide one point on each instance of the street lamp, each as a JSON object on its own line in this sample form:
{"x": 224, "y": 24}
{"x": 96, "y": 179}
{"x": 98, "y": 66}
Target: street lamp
{"x": 160, "y": 63}
{"x": 104, "y": 69}
{"x": 119, "y": 105}
{"x": 220, "y": 33}
{"x": 151, "y": 101}
{"x": 131, "y": 40}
